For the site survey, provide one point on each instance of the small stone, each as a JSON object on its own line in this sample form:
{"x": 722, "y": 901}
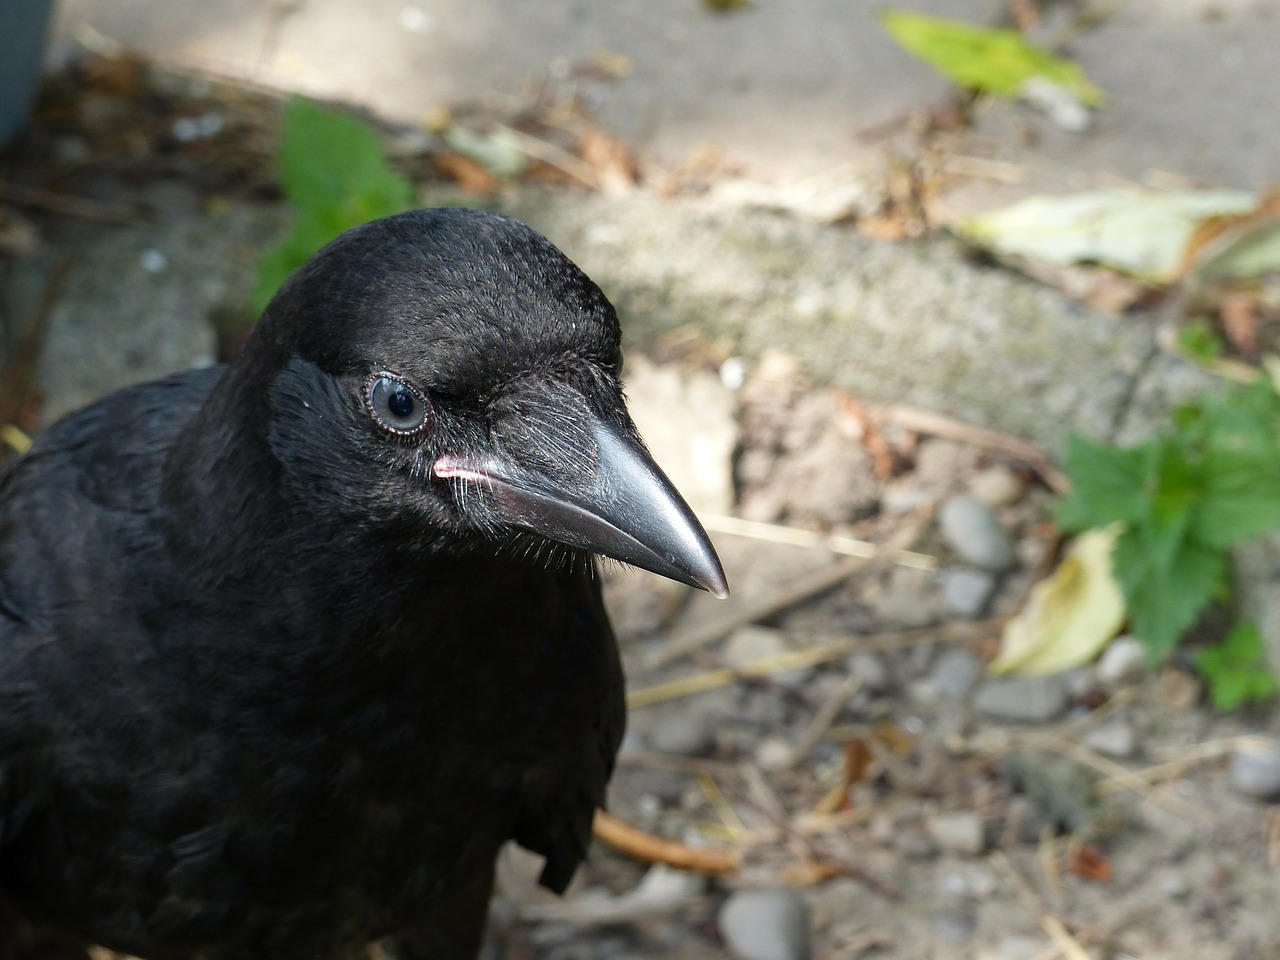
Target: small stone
{"x": 973, "y": 532}
{"x": 1257, "y": 773}
{"x": 957, "y": 924}
{"x": 996, "y": 486}
{"x": 1124, "y": 661}
{"x": 904, "y": 600}
{"x": 752, "y": 643}
{"x": 938, "y": 461}
{"x": 913, "y": 844}
{"x": 955, "y": 673}
{"x": 1115, "y": 739}
{"x": 1023, "y": 699}
{"x": 773, "y": 753}
{"x": 769, "y": 924}
{"x": 1174, "y": 885}
{"x": 967, "y": 590}
{"x": 682, "y": 732}
{"x": 870, "y": 669}
{"x": 1178, "y": 689}
{"x": 958, "y": 831}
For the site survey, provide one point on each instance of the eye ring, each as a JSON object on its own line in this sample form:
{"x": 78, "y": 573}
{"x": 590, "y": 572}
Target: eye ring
{"x": 396, "y": 406}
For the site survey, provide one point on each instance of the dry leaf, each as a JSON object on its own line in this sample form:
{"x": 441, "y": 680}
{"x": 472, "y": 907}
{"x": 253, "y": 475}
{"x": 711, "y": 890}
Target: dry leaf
{"x": 469, "y": 175}
{"x": 1070, "y": 615}
{"x": 1087, "y": 861}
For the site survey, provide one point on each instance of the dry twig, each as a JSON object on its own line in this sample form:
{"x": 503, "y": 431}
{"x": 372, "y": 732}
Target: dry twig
{"x": 645, "y": 846}
{"x": 810, "y": 585}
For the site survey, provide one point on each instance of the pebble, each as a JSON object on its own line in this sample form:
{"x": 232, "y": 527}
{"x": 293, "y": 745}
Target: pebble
{"x": 773, "y": 753}
{"x": 767, "y": 924}
{"x": 957, "y": 924}
{"x": 870, "y": 669}
{"x": 904, "y": 599}
{"x": 1124, "y": 661}
{"x": 971, "y": 530}
{"x": 955, "y": 673}
{"x": 958, "y": 831}
{"x": 1115, "y": 739}
{"x": 1257, "y": 774}
{"x": 1024, "y": 699}
{"x": 967, "y": 590}
{"x": 682, "y": 732}
{"x": 752, "y": 643}
{"x": 996, "y": 486}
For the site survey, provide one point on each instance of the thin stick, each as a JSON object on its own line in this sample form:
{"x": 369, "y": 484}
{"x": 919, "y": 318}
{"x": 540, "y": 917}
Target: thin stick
{"x": 797, "y": 537}
{"x": 809, "y": 657}
{"x": 21, "y": 370}
{"x": 822, "y": 720}
{"x": 557, "y": 157}
{"x": 67, "y": 206}
{"x": 924, "y": 421}
{"x": 1068, "y": 945}
{"x": 645, "y": 846}
{"x": 810, "y": 585}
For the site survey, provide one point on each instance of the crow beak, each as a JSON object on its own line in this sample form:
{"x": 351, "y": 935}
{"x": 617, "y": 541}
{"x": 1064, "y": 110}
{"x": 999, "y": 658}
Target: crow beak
{"x": 629, "y": 511}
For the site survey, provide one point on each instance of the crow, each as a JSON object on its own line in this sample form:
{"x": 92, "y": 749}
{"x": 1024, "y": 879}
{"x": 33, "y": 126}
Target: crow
{"x": 290, "y": 648}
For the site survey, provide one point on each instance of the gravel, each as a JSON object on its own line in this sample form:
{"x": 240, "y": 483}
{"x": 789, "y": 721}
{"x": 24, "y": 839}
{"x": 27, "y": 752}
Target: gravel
{"x": 767, "y": 924}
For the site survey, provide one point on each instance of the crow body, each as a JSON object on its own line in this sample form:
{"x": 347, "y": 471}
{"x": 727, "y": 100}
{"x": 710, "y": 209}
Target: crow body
{"x": 290, "y": 648}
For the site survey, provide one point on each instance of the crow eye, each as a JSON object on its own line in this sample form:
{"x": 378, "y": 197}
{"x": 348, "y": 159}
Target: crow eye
{"x": 396, "y": 405}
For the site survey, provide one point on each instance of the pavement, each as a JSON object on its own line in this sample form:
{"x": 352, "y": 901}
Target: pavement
{"x": 793, "y": 93}
{"x": 787, "y": 88}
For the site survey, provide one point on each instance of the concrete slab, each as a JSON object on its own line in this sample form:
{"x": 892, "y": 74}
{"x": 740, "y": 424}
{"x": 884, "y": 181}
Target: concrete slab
{"x": 786, "y": 88}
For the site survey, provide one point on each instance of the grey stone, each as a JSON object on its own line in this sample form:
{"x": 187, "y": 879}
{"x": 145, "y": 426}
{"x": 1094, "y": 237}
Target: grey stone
{"x": 1024, "y": 699}
{"x": 967, "y": 590}
{"x": 958, "y": 831}
{"x": 1123, "y": 661}
{"x": 749, "y": 644}
{"x": 955, "y": 673}
{"x": 905, "y": 598}
{"x": 773, "y": 753}
{"x": 1257, "y": 774}
{"x": 680, "y": 731}
{"x": 870, "y": 669}
{"x": 1116, "y": 739}
{"x": 767, "y": 924}
{"x": 973, "y": 532}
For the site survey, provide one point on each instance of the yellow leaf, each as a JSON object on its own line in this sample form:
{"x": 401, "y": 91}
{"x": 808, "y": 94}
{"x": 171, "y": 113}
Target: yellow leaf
{"x": 1070, "y": 615}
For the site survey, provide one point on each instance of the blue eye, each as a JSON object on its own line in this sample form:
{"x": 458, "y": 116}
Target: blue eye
{"x": 396, "y": 406}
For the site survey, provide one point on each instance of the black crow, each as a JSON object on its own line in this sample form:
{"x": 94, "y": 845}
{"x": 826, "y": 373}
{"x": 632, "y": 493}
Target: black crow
{"x": 290, "y": 648}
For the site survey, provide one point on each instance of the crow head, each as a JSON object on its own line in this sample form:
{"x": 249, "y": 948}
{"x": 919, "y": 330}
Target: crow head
{"x": 450, "y": 375}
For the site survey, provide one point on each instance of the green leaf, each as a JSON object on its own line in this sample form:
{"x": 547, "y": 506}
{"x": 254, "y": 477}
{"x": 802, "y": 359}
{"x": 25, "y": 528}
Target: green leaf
{"x": 1107, "y": 484}
{"x": 335, "y": 175}
{"x": 1200, "y": 342}
{"x": 1236, "y": 669}
{"x": 1164, "y": 599}
{"x": 995, "y": 61}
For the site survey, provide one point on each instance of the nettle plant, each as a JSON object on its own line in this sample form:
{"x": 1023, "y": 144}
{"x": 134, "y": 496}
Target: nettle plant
{"x": 1208, "y": 482}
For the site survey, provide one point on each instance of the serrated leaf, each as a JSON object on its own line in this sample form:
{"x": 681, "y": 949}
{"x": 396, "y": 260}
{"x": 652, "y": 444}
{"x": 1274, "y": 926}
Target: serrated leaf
{"x": 1236, "y": 669}
{"x": 1241, "y": 499}
{"x": 981, "y": 58}
{"x": 335, "y": 176}
{"x": 1165, "y": 599}
{"x": 1107, "y": 484}
{"x": 1070, "y": 615}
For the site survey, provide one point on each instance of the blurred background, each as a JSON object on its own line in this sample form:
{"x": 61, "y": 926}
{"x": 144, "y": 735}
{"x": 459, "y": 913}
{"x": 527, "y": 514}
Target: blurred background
{"x": 957, "y": 323}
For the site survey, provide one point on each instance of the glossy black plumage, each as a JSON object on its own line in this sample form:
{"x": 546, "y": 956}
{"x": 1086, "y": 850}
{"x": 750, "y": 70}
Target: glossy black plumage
{"x": 277, "y": 680}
